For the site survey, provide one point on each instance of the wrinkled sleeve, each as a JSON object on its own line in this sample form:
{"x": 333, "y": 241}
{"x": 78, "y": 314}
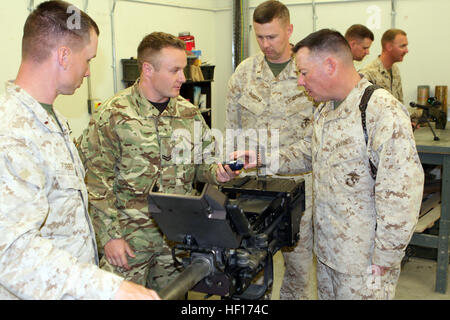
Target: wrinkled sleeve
{"x": 205, "y": 171}
{"x": 296, "y": 158}
{"x": 233, "y": 113}
{"x": 99, "y": 149}
{"x": 31, "y": 267}
{"x": 398, "y": 187}
{"x": 233, "y": 95}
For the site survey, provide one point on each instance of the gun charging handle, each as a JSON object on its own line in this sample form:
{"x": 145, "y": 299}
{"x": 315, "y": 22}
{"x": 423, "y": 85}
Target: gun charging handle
{"x": 200, "y": 268}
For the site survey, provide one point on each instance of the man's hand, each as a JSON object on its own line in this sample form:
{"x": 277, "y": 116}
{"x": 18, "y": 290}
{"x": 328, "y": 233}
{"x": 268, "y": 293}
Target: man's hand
{"x": 224, "y": 173}
{"x": 249, "y": 156}
{"x": 132, "y": 291}
{"x": 379, "y": 270}
{"x": 116, "y": 251}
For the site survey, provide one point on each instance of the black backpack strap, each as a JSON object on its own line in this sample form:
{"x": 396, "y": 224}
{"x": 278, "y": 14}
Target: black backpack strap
{"x": 362, "y": 107}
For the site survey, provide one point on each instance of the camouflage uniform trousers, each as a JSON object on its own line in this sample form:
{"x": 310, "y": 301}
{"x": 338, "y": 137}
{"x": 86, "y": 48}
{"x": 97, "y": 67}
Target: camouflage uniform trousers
{"x": 153, "y": 265}
{"x": 299, "y": 281}
{"x": 333, "y": 285}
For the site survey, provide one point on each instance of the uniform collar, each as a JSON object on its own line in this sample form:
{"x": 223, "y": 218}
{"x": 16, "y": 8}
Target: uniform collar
{"x": 146, "y": 109}
{"x": 347, "y": 106}
{"x": 263, "y": 70}
{"x": 35, "y": 108}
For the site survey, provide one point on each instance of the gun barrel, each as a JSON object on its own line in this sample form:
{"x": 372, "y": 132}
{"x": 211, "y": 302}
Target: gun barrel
{"x": 191, "y": 275}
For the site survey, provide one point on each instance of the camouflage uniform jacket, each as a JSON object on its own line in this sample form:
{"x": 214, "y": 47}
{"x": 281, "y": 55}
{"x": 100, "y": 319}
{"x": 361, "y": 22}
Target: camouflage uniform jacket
{"x": 275, "y": 105}
{"x": 376, "y": 73}
{"x": 129, "y": 145}
{"x": 47, "y": 243}
{"x": 359, "y": 221}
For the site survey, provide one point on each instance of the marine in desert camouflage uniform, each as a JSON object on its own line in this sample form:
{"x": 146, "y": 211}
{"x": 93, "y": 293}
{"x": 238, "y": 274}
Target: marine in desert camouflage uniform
{"x": 266, "y": 105}
{"x": 129, "y": 145}
{"x": 383, "y": 71}
{"x": 47, "y": 242}
{"x": 390, "y": 79}
{"x": 362, "y": 225}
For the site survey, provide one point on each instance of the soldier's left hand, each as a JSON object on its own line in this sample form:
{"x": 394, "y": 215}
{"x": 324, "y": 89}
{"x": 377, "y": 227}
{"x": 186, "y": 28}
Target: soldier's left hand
{"x": 224, "y": 173}
{"x": 249, "y": 156}
{"x": 379, "y": 270}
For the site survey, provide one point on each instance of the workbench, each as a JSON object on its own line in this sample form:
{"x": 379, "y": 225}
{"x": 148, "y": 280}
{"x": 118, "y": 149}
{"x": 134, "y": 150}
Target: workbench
{"x": 437, "y": 153}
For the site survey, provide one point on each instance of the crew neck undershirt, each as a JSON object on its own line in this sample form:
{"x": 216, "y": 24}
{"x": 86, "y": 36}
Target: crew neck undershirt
{"x": 277, "y": 67}
{"x": 51, "y": 112}
{"x": 161, "y": 106}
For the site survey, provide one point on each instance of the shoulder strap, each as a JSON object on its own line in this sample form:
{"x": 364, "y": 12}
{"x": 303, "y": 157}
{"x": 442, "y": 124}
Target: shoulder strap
{"x": 362, "y": 107}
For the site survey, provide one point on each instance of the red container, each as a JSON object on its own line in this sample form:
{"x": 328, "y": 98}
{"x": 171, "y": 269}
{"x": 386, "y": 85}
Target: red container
{"x": 190, "y": 42}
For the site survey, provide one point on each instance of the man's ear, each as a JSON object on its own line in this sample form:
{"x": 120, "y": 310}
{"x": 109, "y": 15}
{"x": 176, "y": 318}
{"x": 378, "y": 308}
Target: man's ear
{"x": 147, "y": 69}
{"x": 330, "y": 65}
{"x": 64, "y": 54}
{"x": 290, "y": 29}
{"x": 388, "y": 46}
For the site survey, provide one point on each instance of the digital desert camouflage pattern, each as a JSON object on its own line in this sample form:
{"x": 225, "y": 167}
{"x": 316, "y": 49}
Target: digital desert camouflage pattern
{"x": 367, "y": 286}
{"x": 277, "y": 107}
{"x": 358, "y": 221}
{"x": 257, "y": 100}
{"x": 47, "y": 243}
{"x": 376, "y": 73}
{"x": 127, "y": 147}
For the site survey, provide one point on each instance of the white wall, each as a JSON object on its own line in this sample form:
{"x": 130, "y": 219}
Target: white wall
{"x": 210, "y": 21}
{"x": 425, "y": 21}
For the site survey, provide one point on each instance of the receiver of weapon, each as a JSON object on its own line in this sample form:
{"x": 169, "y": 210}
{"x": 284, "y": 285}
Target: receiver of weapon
{"x": 433, "y": 113}
{"x": 229, "y": 235}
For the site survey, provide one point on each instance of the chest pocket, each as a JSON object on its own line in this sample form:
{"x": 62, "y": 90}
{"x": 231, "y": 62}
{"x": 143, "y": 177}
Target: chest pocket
{"x": 347, "y": 170}
{"x": 177, "y": 141}
{"x": 68, "y": 180}
{"x": 252, "y": 103}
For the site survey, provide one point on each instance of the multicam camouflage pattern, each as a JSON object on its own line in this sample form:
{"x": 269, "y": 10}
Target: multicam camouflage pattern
{"x": 259, "y": 101}
{"x": 376, "y": 73}
{"x": 358, "y": 221}
{"x": 127, "y": 147}
{"x": 368, "y": 286}
{"x": 47, "y": 243}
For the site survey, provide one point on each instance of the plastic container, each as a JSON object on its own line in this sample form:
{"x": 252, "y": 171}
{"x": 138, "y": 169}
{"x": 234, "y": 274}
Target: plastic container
{"x": 188, "y": 40}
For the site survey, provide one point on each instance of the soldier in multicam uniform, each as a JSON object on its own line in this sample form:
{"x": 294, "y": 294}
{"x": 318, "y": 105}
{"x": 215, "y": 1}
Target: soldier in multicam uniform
{"x": 47, "y": 243}
{"x": 383, "y": 71}
{"x": 362, "y": 224}
{"x": 145, "y": 134}
{"x": 263, "y": 95}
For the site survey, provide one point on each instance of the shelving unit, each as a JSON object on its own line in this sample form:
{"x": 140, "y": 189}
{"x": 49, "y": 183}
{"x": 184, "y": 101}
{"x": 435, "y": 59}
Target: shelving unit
{"x": 187, "y": 92}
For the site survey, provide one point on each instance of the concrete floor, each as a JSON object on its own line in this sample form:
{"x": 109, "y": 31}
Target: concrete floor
{"x": 416, "y": 282}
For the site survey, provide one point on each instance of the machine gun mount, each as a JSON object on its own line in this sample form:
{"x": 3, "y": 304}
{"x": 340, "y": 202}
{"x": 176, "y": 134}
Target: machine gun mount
{"x": 229, "y": 235}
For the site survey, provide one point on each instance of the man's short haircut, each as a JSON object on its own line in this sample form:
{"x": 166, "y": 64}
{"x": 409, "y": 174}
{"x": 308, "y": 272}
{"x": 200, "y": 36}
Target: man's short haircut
{"x": 153, "y": 43}
{"x": 269, "y": 10}
{"x": 389, "y": 36}
{"x": 359, "y": 32}
{"x": 328, "y": 41}
{"x": 49, "y": 24}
